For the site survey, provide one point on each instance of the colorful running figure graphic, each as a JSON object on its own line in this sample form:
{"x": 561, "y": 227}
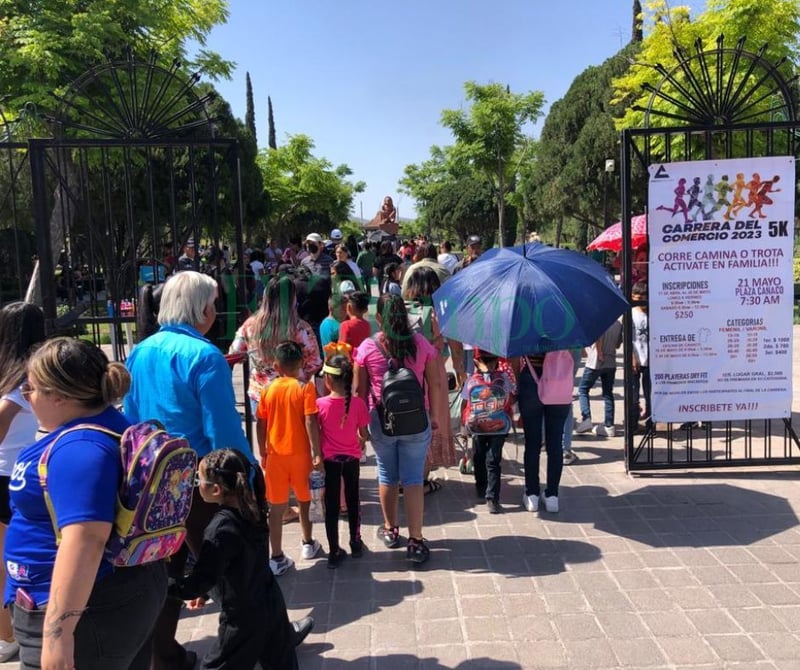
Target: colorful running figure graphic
{"x": 738, "y": 201}
{"x": 680, "y": 203}
{"x": 694, "y": 198}
{"x": 762, "y": 198}
{"x": 709, "y": 199}
{"x": 752, "y": 189}
{"x": 722, "y": 188}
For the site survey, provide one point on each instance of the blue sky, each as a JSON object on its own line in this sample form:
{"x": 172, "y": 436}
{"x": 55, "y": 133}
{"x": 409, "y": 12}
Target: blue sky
{"x": 367, "y": 80}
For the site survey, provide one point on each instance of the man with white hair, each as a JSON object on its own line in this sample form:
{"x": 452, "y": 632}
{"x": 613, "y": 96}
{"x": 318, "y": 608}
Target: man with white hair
{"x": 181, "y": 379}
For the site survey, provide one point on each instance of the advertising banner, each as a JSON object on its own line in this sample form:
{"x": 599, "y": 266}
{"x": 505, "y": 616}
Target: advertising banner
{"x": 720, "y": 284}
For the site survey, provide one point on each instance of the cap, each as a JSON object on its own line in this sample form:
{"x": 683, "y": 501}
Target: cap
{"x": 473, "y": 239}
{"x": 189, "y": 242}
{"x": 314, "y": 237}
{"x": 347, "y": 286}
{"x": 336, "y": 235}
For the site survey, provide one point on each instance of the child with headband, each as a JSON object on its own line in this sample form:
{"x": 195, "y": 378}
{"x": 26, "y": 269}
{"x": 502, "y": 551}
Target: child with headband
{"x": 343, "y": 420}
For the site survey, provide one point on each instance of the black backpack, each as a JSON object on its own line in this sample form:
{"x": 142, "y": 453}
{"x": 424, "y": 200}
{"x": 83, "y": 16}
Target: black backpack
{"x": 401, "y": 409}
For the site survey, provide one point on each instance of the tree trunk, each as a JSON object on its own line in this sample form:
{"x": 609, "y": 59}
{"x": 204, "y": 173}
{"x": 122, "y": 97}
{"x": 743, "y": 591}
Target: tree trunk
{"x": 501, "y": 208}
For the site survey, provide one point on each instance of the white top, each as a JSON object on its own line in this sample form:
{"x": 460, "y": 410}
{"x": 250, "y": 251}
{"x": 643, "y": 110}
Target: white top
{"x": 449, "y": 261}
{"x": 257, "y": 267}
{"x": 21, "y": 432}
{"x": 356, "y": 270}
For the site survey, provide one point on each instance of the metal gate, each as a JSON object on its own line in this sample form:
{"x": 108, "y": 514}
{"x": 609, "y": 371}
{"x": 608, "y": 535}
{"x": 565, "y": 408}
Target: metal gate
{"x": 131, "y": 173}
{"x": 724, "y": 103}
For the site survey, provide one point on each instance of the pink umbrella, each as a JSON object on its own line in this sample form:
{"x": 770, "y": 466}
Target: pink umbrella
{"x": 611, "y": 238}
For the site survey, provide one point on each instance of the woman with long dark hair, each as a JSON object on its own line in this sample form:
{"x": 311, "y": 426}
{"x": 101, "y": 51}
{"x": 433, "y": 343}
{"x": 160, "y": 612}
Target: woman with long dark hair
{"x": 21, "y": 330}
{"x": 275, "y": 321}
{"x": 419, "y": 302}
{"x": 400, "y": 458}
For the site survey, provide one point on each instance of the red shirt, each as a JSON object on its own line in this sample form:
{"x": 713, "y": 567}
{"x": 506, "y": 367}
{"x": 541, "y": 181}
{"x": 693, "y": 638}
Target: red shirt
{"x": 354, "y": 331}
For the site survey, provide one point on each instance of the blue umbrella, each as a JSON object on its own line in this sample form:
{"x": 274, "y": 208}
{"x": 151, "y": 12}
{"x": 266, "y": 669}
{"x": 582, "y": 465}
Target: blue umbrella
{"x": 533, "y": 298}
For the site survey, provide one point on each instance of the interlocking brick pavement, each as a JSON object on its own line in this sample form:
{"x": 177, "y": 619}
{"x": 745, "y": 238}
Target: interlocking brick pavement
{"x": 678, "y": 570}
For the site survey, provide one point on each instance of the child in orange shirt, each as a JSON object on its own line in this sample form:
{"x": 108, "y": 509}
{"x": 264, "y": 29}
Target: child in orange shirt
{"x": 355, "y": 329}
{"x": 288, "y": 443}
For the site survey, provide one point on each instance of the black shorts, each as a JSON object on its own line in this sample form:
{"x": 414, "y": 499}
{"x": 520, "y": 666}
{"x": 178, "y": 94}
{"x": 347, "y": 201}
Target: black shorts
{"x": 5, "y": 500}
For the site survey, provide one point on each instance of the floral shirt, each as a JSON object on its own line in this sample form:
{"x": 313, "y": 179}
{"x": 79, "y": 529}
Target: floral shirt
{"x": 262, "y": 371}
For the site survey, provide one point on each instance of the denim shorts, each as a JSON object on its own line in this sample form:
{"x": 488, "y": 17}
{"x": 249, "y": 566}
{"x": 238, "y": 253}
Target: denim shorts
{"x": 400, "y": 458}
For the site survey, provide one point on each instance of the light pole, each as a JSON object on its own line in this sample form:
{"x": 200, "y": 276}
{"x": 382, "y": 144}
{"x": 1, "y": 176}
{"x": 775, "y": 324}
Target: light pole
{"x": 610, "y": 165}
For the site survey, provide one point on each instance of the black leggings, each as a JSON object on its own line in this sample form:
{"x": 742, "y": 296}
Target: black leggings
{"x": 342, "y": 468}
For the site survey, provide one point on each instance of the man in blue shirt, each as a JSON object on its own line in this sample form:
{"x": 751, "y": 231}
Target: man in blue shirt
{"x": 181, "y": 379}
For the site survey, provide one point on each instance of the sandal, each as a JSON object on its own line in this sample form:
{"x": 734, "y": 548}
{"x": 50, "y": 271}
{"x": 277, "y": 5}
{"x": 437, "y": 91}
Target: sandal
{"x": 431, "y": 486}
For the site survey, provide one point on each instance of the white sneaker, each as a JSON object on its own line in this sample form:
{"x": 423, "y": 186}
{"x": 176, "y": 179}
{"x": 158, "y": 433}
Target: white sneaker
{"x": 531, "y": 503}
{"x": 310, "y": 549}
{"x": 550, "y": 503}
{"x": 281, "y": 565}
{"x": 584, "y": 426}
{"x": 8, "y": 650}
{"x": 604, "y": 431}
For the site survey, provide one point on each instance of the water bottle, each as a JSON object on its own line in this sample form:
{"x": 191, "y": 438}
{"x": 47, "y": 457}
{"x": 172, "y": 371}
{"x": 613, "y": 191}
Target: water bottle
{"x": 316, "y": 482}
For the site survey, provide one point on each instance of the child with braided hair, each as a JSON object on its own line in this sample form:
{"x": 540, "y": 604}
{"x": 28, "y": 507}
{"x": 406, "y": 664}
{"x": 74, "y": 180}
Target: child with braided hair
{"x": 254, "y": 626}
{"x": 343, "y": 421}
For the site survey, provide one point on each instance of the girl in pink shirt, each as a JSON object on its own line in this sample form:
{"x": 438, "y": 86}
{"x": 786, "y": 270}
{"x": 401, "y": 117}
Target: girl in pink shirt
{"x": 343, "y": 420}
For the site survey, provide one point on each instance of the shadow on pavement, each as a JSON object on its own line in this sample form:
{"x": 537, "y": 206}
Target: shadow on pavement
{"x": 401, "y": 662}
{"x": 681, "y": 515}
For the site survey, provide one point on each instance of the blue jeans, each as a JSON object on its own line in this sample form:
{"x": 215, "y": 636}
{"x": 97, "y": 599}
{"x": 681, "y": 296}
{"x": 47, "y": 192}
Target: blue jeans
{"x": 116, "y": 630}
{"x": 400, "y": 458}
{"x": 533, "y": 412}
{"x": 606, "y": 377}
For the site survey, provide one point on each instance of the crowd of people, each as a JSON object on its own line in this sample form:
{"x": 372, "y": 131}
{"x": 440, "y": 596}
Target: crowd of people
{"x": 319, "y": 391}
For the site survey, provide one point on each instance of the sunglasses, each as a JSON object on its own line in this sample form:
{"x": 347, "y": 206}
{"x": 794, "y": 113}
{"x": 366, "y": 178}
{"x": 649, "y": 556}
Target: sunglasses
{"x": 199, "y": 481}
{"x": 27, "y": 389}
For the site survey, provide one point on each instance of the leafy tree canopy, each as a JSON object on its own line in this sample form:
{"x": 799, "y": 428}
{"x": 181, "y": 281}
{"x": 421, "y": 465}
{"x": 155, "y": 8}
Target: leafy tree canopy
{"x": 775, "y": 23}
{"x": 47, "y": 44}
{"x": 490, "y": 136}
{"x": 304, "y": 192}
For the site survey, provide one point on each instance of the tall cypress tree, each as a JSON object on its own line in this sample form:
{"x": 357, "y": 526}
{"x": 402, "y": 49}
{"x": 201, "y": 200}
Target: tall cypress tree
{"x": 250, "y": 114}
{"x": 636, "y": 34}
{"x": 271, "y": 121}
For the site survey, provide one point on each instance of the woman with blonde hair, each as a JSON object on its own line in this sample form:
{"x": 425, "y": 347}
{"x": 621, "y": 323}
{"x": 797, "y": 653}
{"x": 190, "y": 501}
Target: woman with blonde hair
{"x": 71, "y": 608}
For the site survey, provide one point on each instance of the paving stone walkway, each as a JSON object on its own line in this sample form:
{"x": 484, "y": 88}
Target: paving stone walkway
{"x": 682, "y": 570}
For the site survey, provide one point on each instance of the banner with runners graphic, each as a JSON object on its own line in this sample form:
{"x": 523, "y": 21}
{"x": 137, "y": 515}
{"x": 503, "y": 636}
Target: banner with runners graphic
{"x": 721, "y": 289}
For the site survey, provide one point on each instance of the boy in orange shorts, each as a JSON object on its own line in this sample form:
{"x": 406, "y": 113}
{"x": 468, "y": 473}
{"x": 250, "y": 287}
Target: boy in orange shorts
{"x": 288, "y": 442}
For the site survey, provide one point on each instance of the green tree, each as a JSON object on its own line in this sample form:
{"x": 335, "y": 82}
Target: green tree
{"x": 45, "y": 45}
{"x": 568, "y": 179}
{"x": 305, "y": 192}
{"x": 273, "y": 144}
{"x": 775, "y": 24}
{"x": 490, "y": 136}
{"x": 464, "y": 207}
{"x": 423, "y": 181}
{"x": 250, "y": 113}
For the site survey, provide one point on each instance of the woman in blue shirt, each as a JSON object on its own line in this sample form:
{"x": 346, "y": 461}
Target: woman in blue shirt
{"x": 71, "y": 608}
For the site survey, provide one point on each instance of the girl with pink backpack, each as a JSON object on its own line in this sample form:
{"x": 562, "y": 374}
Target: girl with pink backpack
{"x": 544, "y": 385}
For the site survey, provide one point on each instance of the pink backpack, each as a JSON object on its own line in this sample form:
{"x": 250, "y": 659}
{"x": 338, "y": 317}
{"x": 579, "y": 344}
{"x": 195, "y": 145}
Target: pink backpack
{"x": 557, "y": 380}
{"x": 154, "y": 496}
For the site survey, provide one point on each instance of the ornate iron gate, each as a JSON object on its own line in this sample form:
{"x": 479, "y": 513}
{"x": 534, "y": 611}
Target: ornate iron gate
{"x": 133, "y": 170}
{"x": 724, "y": 103}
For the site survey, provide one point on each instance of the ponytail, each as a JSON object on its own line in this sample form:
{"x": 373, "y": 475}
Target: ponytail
{"x": 398, "y": 336}
{"x": 340, "y": 368}
{"x": 235, "y": 474}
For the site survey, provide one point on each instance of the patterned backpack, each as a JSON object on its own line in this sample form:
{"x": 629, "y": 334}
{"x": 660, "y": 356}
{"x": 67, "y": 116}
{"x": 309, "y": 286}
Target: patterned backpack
{"x": 154, "y": 496}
